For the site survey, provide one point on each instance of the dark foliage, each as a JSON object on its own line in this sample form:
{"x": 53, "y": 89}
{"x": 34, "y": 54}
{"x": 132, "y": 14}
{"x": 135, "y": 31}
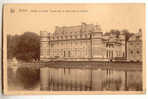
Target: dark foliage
{"x": 29, "y": 77}
{"x": 24, "y": 47}
{"x": 116, "y": 32}
{"x": 11, "y": 45}
{"x": 127, "y": 34}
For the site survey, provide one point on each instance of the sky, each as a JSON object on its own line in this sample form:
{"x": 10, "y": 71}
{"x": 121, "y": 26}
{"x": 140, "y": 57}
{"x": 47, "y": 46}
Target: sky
{"x": 20, "y": 18}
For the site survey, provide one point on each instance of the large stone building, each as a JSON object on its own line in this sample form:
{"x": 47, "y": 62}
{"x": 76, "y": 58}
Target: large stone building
{"x": 83, "y": 42}
{"x": 134, "y": 47}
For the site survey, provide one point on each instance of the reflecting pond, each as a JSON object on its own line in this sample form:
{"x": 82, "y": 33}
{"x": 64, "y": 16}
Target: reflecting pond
{"x": 66, "y": 79}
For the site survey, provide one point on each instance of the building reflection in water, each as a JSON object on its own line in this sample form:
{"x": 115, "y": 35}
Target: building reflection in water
{"x": 66, "y": 79}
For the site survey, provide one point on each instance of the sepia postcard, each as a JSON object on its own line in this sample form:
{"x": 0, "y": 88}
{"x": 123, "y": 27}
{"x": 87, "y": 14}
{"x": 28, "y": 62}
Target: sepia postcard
{"x": 75, "y": 48}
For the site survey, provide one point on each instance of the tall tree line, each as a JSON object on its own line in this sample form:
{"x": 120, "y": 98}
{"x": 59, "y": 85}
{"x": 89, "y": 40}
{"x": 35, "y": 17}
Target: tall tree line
{"x": 24, "y": 47}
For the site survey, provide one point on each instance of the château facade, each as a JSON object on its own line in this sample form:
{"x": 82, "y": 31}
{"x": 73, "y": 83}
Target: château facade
{"x": 85, "y": 42}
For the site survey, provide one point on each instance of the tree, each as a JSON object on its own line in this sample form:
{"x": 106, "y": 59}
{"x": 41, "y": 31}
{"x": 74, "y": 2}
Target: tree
{"x": 12, "y": 41}
{"x": 127, "y": 34}
{"x": 116, "y": 32}
{"x": 28, "y": 47}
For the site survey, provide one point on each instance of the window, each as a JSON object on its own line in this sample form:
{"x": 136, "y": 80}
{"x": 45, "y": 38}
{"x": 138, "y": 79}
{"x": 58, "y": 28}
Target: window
{"x": 69, "y": 70}
{"x": 137, "y": 52}
{"x": 68, "y": 53}
{"x": 64, "y": 53}
{"x": 85, "y": 35}
{"x": 112, "y": 46}
{"x": 52, "y": 44}
{"x": 123, "y": 54}
{"x": 75, "y": 43}
{"x": 75, "y": 36}
{"x": 81, "y": 42}
{"x": 137, "y": 43}
{"x": 112, "y": 54}
{"x": 107, "y": 54}
{"x": 64, "y": 71}
{"x": 131, "y": 52}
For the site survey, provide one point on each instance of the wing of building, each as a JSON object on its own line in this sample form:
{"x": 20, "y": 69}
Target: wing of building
{"x": 134, "y": 47}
